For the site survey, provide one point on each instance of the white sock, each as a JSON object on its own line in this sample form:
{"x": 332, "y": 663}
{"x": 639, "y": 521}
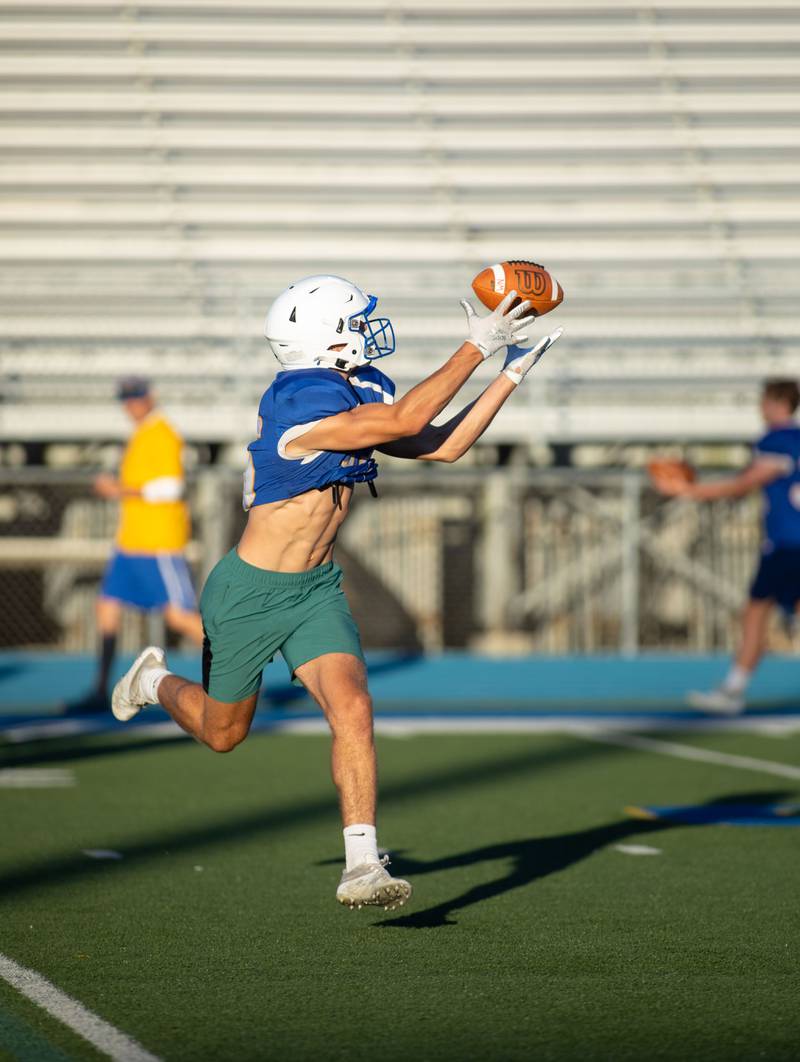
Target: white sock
{"x": 360, "y": 845}
{"x": 149, "y": 681}
{"x": 737, "y": 680}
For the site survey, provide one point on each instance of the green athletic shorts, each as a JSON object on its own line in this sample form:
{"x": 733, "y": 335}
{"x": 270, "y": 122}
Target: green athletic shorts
{"x": 250, "y": 613}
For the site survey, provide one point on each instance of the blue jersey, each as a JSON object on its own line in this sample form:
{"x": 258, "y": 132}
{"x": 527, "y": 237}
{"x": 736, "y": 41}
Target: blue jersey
{"x": 297, "y": 400}
{"x": 781, "y": 446}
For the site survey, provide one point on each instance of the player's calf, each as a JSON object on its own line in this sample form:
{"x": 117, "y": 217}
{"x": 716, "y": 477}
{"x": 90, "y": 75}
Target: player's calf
{"x": 218, "y": 725}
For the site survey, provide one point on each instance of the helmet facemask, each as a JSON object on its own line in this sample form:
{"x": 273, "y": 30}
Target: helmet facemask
{"x": 377, "y": 333}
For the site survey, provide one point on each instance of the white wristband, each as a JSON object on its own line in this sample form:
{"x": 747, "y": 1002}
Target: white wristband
{"x": 162, "y": 489}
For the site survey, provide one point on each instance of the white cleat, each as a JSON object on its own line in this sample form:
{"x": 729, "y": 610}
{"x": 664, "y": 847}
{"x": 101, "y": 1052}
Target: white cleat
{"x": 721, "y": 701}
{"x": 371, "y": 885}
{"x": 127, "y": 700}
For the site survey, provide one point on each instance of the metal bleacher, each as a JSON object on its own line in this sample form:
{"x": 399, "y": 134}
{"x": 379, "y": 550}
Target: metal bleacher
{"x": 166, "y": 167}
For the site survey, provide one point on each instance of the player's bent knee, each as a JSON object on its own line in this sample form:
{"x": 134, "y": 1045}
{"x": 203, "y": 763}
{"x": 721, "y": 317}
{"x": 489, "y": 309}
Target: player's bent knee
{"x": 226, "y": 725}
{"x": 223, "y": 741}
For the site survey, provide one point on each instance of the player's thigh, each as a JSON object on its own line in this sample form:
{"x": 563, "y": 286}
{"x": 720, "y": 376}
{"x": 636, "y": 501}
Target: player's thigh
{"x": 757, "y": 609}
{"x": 326, "y": 629}
{"x": 109, "y": 613}
{"x": 184, "y": 622}
{"x": 241, "y": 636}
{"x": 338, "y": 683}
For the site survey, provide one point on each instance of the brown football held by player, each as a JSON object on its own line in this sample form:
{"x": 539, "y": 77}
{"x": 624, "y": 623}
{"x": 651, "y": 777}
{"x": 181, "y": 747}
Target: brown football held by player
{"x": 530, "y": 280}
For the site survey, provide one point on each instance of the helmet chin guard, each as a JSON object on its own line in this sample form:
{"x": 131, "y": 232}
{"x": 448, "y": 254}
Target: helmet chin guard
{"x": 321, "y": 312}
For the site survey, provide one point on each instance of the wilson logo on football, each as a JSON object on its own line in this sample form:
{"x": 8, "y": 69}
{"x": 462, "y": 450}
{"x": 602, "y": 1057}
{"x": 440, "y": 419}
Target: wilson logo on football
{"x": 529, "y": 280}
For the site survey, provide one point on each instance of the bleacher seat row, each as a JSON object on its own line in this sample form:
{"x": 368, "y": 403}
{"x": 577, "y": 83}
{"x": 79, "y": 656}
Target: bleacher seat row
{"x": 167, "y": 167}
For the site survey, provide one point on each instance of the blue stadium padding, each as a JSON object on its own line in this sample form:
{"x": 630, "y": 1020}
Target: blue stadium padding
{"x": 723, "y": 814}
{"x": 38, "y": 682}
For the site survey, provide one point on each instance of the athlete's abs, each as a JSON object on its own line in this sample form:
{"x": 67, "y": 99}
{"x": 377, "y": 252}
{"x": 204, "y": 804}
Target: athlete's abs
{"x": 296, "y": 534}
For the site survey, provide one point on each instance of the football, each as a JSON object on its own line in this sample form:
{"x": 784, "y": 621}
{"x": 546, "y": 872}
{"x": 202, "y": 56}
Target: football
{"x": 530, "y": 281}
{"x": 670, "y": 470}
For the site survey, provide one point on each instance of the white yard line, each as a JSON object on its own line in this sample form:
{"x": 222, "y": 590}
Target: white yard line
{"x": 52, "y": 728}
{"x": 36, "y": 778}
{"x": 773, "y": 725}
{"x": 580, "y": 726}
{"x": 690, "y": 752}
{"x": 637, "y": 849}
{"x": 70, "y": 1012}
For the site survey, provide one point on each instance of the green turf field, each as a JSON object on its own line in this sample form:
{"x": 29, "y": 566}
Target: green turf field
{"x": 530, "y": 935}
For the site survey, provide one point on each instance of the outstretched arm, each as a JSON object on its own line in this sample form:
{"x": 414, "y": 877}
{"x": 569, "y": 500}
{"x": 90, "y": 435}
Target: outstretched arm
{"x": 449, "y": 441}
{"x": 758, "y": 475}
{"x": 373, "y": 424}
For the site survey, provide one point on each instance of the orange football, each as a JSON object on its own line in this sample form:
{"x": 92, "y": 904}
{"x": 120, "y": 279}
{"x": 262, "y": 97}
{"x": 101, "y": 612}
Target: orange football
{"x": 670, "y": 468}
{"x": 529, "y": 280}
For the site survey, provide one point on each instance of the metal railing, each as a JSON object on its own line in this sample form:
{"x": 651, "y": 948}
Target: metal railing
{"x": 504, "y": 559}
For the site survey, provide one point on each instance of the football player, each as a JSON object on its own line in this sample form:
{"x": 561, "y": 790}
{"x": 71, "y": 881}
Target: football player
{"x": 147, "y": 569}
{"x": 775, "y": 470}
{"x": 319, "y": 425}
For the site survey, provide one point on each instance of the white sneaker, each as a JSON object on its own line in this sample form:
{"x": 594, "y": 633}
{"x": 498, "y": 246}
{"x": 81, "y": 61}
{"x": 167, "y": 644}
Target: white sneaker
{"x": 127, "y": 700}
{"x": 371, "y": 885}
{"x": 723, "y": 701}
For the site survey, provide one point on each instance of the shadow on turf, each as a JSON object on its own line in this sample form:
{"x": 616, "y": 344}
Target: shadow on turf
{"x": 56, "y": 871}
{"x": 538, "y": 857}
{"x": 84, "y": 747}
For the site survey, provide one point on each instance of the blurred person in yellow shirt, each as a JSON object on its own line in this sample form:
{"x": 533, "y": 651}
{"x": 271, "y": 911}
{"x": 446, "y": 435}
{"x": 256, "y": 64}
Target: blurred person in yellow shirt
{"x": 147, "y": 569}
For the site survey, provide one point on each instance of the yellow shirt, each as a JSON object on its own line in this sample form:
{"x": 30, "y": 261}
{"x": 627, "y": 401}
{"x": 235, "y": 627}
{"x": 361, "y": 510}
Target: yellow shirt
{"x": 153, "y": 454}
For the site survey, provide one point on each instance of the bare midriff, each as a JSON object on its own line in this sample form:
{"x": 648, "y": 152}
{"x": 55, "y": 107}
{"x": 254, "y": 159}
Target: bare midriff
{"x": 296, "y": 534}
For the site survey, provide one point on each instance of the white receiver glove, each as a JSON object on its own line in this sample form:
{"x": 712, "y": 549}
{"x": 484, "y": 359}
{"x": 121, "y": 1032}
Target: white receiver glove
{"x": 519, "y": 362}
{"x": 498, "y": 328}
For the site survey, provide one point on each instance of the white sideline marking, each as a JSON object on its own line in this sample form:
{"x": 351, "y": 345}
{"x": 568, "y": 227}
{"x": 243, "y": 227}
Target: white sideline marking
{"x": 689, "y": 752}
{"x": 637, "y": 849}
{"x": 444, "y": 723}
{"x": 544, "y": 724}
{"x": 70, "y": 1012}
{"x": 53, "y": 728}
{"x": 36, "y": 778}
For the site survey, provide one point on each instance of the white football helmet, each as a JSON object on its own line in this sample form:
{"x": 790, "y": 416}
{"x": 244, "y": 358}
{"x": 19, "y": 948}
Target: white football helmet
{"x": 320, "y": 312}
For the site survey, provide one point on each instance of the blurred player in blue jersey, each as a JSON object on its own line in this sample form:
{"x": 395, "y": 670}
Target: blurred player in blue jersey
{"x": 775, "y": 469}
{"x": 319, "y": 424}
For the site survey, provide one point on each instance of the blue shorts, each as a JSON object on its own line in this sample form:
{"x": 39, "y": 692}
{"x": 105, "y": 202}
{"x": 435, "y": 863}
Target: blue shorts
{"x": 778, "y": 578}
{"x": 149, "y": 580}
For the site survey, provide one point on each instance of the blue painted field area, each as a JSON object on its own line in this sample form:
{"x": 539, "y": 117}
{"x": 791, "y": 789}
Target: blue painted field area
{"x": 41, "y": 683}
{"x": 722, "y": 813}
